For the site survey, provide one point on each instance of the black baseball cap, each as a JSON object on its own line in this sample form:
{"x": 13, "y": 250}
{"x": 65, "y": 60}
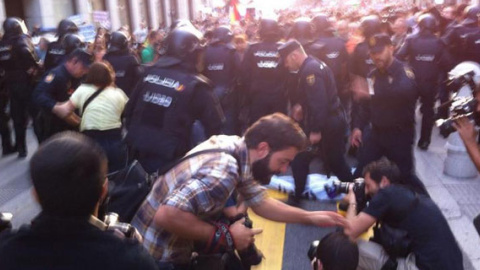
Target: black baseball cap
{"x": 290, "y": 46}
{"x": 378, "y": 42}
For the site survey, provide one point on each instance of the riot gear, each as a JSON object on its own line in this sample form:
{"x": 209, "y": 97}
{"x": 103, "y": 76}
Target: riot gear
{"x": 370, "y": 25}
{"x": 302, "y": 30}
{"x": 66, "y": 26}
{"x": 321, "y": 24}
{"x": 269, "y": 29}
{"x": 71, "y": 42}
{"x": 14, "y": 27}
{"x": 472, "y": 14}
{"x": 118, "y": 41}
{"x": 222, "y": 34}
{"x": 184, "y": 43}
{"x": 428, "y": 22}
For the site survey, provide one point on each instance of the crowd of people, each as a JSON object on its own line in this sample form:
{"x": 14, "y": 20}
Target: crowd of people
{"x": 343, "y": 75}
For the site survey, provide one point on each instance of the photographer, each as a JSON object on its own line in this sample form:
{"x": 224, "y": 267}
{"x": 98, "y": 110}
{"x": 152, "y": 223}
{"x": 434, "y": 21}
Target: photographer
{"x": 429, "y": 244}
{"x": 335, "y": 252}
{"x": 466, "y": 130}
{"x": 69, "y": 181}
{"x": 184, "y": 204}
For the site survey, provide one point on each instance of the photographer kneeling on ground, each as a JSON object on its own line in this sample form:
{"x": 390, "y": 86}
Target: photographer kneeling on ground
{"x": 69, "y": 174}
{"x": 432, "y": 244}
{"x": 184, "y": 204}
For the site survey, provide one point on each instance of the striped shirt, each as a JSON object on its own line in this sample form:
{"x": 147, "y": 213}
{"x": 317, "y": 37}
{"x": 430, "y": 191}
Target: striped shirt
{"x": 200, "y": 185}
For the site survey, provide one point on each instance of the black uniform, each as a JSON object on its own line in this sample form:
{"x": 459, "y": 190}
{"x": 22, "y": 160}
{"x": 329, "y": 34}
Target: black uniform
{"x": 264, "y": 79}
{"x": 391, "y": 114}
{"x": 332, "y": 51}
{"x": 57, "y": 86}
{"x": 161, "y": 112}
{"x": 5, "y": 132}
{"x": 428, "y": 57}
{"x": 54, "y": 56}
{"x": 472, "y": 46}
{"x": 455, "y": 40}
{"x": 323, "y": 112}
{"x": 127, "y": 69}
{"x": 18, "y": 59}
{"x": 221, "y": 67}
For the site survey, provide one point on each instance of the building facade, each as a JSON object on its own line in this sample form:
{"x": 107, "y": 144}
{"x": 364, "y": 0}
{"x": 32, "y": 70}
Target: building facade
{"x": 115, "y": 13}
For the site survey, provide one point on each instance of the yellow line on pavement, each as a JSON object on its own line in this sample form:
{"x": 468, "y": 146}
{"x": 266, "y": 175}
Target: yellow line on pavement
{"x": 271, "y": 240}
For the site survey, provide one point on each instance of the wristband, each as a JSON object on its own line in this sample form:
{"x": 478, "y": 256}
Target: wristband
{"x": 221, "y": 240}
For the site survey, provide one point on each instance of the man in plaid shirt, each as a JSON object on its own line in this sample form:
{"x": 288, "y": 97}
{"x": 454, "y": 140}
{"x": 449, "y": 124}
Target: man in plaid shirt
{"x": 185, "y": 202}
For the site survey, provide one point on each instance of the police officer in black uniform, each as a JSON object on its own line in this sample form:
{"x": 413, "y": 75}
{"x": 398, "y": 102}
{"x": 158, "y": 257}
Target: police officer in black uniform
{"x": 390, "y": 111}
{"x": 455, "y": 37}
{"x": 302, "y": 31}
{"x": 221, "y": 67}
{"x": 123, "y": 61}
{"x": 57, "y": 86}
{"x": 5, "y": 132}
{"x": 20, "y": 63}
{"x": 166, "y": 101}
{"x": 262, "y": 75}
{"x": 332, "y": 51}
{"x": 55, "y": 51}
{"x": 322, "y": 117}
{"x": 428, "y": 57}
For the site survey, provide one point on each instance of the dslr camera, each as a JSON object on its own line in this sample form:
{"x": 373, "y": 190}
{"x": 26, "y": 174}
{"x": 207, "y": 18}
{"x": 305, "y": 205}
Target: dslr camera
{"x": 358, "y": 187}
{"x": 111, "y": 220}
{"x": 459, "y": 106}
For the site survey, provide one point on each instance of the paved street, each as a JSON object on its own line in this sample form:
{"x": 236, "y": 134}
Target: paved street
{"x": 457, "y": 198}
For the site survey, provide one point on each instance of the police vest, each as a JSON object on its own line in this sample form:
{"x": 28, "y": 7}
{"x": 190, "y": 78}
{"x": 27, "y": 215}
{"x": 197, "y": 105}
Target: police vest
{"x": 424, "y": 54}
{"x": 125, "y": 65}
{"x": 16, "y": 57}
{"x": 220, "y": 64}
{"x": 54, "y": 56}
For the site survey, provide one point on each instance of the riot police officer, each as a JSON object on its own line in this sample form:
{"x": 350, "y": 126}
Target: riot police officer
{"x": 5, "y": 132}
{"x": 221, "y": 67}
{"x": 166, "y": 101}
{"x": 428, "y": 57}
{"x": 390, "y": 113}
{"x": 123, "y": 61}
{"x": 55, "y": 51}
{"x": 20, "y": 63}
{"x": 302, "y": 31}
{"x": 57, "y": 86}
{"x": 455, "y": 37}
{"x": 262, "y": 75}
{"x": 332, "y": 51}
{"x": 322, "y": 115}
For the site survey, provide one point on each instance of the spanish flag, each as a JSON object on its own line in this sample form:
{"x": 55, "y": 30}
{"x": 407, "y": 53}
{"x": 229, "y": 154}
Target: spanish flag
{"x": 234, "y": 14}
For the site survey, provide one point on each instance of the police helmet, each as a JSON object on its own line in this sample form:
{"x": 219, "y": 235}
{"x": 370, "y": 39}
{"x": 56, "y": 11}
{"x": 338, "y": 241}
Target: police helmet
{"x": 180, "y": 23}
{"x": 472, "y": 14}
{"x": 14, "y": 26}
{"x": 370, "y": 25}
{"x": 321, "y": 24}
{"x": 302, "y": 30}
{"x": 183, "y": 43}
{"x": 70, "y": 42}
{"x": 222, "y": 34}
{"x": 118, "y": 41}
{"x": 269, "y": 29}
{"x": 427, "y": 22}
{"x": 66, "y": 26}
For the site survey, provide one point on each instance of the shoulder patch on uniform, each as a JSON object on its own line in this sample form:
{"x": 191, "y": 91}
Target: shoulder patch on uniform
{"x": 409, "y": 73}
{"x": 311, "y": 79}
{"x": 49, "y": 78}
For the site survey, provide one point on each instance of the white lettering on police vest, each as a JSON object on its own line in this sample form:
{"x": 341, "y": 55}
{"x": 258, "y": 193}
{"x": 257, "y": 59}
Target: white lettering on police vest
{"x": 369, "y": 61}
{"x": 5, "y": 48}
{"x": 167, "y": 82}
{"x": 57, "y": 51}
{"x": 120, "y": 73}
{"x": 265, "y": 54}
{"x": 333, "y": 55}
{"x": 477, "y": 41}
{"x": 267, "y": 64}
{"x": 215, "y": 67}
{"x": 425, "y": 58}
{"x": 157, "y": 99}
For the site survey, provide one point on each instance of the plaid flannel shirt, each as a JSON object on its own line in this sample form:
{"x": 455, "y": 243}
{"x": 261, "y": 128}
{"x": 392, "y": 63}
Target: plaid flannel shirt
{"x": 200, "y": 185}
